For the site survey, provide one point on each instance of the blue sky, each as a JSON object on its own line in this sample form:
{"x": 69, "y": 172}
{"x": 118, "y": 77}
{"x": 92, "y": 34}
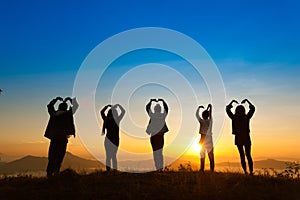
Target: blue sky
{"x": 49, "y": 35}
{"x": 255, "y": 44}
{"x": 53, "y": 36}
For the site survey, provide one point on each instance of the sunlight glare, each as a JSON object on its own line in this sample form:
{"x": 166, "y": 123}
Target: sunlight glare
{"x": 196, "y": 147}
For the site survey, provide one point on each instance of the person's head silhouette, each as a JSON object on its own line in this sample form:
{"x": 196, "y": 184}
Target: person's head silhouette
{"x": 205, "y": 114}
{"x": 240, "y": 110}
{"x": 157, "y": 108}
{"x": 63, "y": 106}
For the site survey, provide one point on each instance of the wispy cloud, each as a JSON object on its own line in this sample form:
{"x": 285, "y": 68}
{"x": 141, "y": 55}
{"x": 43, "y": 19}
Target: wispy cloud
{"x": 33, "y": 142}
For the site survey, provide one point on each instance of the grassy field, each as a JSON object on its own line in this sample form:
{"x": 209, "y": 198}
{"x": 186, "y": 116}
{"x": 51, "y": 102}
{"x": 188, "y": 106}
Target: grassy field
{"x": 166, "y": 185}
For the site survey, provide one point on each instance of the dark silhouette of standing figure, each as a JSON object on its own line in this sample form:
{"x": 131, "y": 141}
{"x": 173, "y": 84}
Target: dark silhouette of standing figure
{"x": 156, "y": 128}
{"x": 60, "y": 127}
{"x": 111, "y": 123}
{"x": 241, "y": 130}
{"x": 206, "y": 140}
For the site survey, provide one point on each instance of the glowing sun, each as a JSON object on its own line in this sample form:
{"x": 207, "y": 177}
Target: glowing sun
{"x": 196, "y": 146}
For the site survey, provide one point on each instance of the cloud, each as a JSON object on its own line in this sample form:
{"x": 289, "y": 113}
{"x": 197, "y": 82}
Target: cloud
{"x": 33, "y": 142}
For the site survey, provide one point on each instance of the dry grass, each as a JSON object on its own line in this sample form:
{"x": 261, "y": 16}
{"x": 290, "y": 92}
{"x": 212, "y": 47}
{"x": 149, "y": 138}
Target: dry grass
{"x": 166, "y": 185}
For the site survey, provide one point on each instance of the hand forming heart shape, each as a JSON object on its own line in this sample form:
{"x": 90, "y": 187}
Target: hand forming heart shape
{"x": 242, "y": 102}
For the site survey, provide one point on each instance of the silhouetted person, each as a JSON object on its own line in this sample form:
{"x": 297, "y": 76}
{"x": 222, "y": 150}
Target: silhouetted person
{"x": 241, "y": 130}
{"x": 156, "y": 129}
{"x": 111, "y": 123}
{"x": 60, "y": 127}
{"x": 206, "y": 140}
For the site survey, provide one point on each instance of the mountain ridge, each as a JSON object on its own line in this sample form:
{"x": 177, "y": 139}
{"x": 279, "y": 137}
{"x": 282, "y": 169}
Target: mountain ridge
{"x": 31, "y": 163}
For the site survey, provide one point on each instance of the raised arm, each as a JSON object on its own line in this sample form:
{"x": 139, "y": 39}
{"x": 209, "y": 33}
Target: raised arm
{"x": 197, "y": 113}
{"x": 122, "y": 111}
{"x": 102, "y": 112}
{"x": 74, "y": 103}
{"x": 166, "y": 108}
{"x": 228, "y": 108}
{"x": 50, "y": 106}
{"x": 148, "y": 106}
{"x": 209, "y": 109}
{"x": 251, "y": 108}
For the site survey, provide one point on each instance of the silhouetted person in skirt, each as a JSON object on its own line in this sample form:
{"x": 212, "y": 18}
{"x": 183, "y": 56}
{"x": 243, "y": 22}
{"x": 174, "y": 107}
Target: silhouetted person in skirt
{"x": 60, "y": 127}
{"x": 241, "y": 130}
{"x": 206, "y": 140}
{"x": 156, "y": 128}
{"x": 111, "y": 123}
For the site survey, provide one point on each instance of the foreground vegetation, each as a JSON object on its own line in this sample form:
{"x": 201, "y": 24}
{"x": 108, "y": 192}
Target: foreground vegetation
{"x": 183, "y": 184}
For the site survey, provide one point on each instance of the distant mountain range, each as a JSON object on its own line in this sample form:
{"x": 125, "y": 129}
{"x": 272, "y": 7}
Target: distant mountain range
{"x": 29, "y": 164}
{"x": 259, "y": 164}
{"x": 39, "y": 164}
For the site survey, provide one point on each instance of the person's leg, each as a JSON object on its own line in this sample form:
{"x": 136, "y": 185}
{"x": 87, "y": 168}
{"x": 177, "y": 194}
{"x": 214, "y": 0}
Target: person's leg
{"x": 158, "y": 159}
{"x": 242, "y": 157}
{"x": 60, "y": 154}
{"x": 202, "y": 158}
{"x": 160, "y": 150}
{"x": 157, "y": 143}
{"x": 202, "y": 153}
{"x": 114, "y": 162}
{"x": 50, "y": 166}
{"x": 154, "y": 148}
{"x": 55, "y": 151}
{"x": 108, "y": 154}
{"x": 211, "y": 159}
{"x": 249, "y": 158}
{"x": 114, "y": 156}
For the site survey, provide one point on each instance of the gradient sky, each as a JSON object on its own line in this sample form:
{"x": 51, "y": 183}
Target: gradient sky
{"x": 255, "y": 45}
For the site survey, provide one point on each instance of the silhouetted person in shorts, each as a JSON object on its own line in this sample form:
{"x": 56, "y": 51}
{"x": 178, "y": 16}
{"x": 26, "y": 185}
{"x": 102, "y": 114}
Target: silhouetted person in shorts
{"x": 60, "y": 127}
{"x": 156, "y": 128}
{"x": 241, "y": 130}
{"x": 206, "y": 140}
{"x": 111, "y": 123}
